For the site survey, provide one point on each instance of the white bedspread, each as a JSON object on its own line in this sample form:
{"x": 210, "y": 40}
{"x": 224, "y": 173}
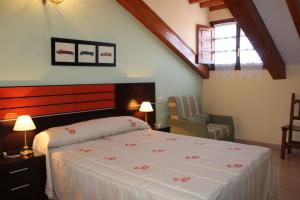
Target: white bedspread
{"x": 144, "y": 165}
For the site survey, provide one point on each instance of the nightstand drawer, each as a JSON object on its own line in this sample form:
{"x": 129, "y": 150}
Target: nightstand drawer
{"x": 17, "y": 175}
{"x": 23, "y": 191}
{"x": 13, "y": 183}
{"x": 22, "y": 178}
{"x": 16, "y": 168}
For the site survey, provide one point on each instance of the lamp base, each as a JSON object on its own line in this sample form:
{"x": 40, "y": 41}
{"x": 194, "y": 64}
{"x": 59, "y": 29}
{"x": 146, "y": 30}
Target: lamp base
{"x": 26, "y": 152}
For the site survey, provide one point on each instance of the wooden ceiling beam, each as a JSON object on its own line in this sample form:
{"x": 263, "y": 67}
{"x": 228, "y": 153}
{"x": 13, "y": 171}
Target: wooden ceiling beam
{"x": 208, "y": 4}
{"x": 294, "y": 7}
{"x": 197, "y": 1}
{"x": 248, "y": 17}
{"x": 218, "y": 7}
{"x": 158, "y": 27}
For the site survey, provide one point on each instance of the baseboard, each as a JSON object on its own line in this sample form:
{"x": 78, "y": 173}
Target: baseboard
{"x": 263, "y": 144}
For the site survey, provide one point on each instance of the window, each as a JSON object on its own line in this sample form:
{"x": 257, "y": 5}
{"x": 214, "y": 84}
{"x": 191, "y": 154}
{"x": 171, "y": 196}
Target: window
{"x": 249, "y": 59}
{"x": 230, "y": 48}
{"x": 205, "y": 44}
{"x": 225, "y": 46}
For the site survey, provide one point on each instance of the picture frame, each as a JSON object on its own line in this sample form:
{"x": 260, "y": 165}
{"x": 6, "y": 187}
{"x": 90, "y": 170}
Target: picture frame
{"x": 64, "y": 52}
{"x": 70, "y": 52}
{"x": 86, "y": 53}
{"x": 106, "y": 55}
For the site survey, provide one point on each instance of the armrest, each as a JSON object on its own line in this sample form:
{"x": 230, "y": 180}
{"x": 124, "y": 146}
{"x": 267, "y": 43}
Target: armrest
{"x": 186, "y": 127}
{"x": 222, "y": 119}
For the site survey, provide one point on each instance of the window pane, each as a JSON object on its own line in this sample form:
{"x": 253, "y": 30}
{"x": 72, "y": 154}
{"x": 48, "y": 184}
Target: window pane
{"x": 226, "y": 58}
{"x": 245, "y": 43}
{"x": 206, "y": 34}
{"x": 225, "y": 44}
{"x": 205, "y": 46}
{"x": 249, "y": 57}
{"x": 225, "y": 30}
{"x": 242, "y": 33}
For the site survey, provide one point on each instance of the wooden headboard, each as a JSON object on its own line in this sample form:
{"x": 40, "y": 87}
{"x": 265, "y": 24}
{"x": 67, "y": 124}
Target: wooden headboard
{"x": 57, "y": 105}
{"x": 49, "y": 100}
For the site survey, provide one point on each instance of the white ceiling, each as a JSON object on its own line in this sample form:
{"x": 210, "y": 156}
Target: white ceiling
{"x": 278, "y": 20}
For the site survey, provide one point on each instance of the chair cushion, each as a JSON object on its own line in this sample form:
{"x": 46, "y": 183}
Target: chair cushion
{"x": 218, "y": 131}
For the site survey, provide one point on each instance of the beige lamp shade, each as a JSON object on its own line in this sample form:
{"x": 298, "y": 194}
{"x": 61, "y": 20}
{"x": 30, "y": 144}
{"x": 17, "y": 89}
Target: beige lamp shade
{"x": 146, "y": 107}
{"x": 24, "y": 123}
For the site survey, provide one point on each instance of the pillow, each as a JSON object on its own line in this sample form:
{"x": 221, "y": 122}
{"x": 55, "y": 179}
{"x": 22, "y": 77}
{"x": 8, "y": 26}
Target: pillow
{"x": 92, "y": 129}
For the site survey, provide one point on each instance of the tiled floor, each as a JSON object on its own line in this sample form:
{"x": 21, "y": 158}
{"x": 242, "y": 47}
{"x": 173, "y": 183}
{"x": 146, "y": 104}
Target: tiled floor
{"x": 288, "y": 175}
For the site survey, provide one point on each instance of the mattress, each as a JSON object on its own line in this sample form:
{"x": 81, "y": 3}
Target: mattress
{"x": 153, "y": 165}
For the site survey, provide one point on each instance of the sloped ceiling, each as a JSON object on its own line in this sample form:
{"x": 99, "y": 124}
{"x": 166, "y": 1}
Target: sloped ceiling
{"x": 279, "y": 23}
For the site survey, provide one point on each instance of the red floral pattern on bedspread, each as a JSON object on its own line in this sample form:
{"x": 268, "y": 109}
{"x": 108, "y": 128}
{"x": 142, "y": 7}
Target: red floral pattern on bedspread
{"x": 171, "y": 139}
{"x": 182, "y": 179}
{"x": 130, "y": 145}
{"x": 237, "y": 165}
{"x": 110, "y": 158}
{"x": 132, "y": 123}
{"x": 234, "y": 148}
{"x": 108, "y": 139}
{"x": 192, "y": 157}
{"x": 71, "y": 130}
{"x": 85, "y": 150}
{"x": 142, "y": 167}
{"x": 158, "y": 150}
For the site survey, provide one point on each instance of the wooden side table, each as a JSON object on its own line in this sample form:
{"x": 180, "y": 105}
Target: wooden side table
{"x": 23, "y": 178}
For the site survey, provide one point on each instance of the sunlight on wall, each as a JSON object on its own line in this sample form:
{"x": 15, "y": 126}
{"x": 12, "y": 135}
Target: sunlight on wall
{"x": 181, "y": 16}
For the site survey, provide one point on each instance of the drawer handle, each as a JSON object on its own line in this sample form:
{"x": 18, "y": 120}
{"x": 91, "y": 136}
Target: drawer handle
{"x": 19, "y": 170}
{"x": 20, "y": 187}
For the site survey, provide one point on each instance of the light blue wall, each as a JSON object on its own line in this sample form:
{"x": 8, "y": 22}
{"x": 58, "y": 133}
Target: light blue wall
{"x": 26, "y": 28}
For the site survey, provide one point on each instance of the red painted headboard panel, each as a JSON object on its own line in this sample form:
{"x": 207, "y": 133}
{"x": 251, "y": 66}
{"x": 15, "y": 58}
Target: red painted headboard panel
{"x": 49, "y": 100}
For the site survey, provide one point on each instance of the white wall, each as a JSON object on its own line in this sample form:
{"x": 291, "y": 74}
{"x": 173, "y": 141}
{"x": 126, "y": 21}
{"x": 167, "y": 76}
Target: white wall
{"x": 26, "y": 28}
{"x": 279, "y": 22}
{"x": 181, "y": 16}
{"x": 258, "y": 104}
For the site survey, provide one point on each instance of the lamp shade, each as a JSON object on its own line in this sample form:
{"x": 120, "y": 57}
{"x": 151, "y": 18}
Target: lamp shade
{"x": 24, "y": 123}
{"x": 146, "y": 107}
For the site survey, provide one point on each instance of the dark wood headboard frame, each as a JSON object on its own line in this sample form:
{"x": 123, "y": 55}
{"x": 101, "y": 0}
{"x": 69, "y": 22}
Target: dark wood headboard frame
{"x": 57, "y": 105}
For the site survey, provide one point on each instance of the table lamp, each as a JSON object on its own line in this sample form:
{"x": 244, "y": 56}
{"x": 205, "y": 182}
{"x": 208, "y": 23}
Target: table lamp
{"x": 146, "y": 107}
{"x": 24, "y": 123}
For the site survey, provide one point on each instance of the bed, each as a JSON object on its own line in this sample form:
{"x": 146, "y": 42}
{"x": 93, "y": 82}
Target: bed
{"x": 121, "y": 158}
{"x": 92, "y": 157}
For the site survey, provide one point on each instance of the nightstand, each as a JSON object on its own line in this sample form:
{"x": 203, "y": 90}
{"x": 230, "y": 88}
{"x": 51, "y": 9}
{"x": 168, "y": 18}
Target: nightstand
{"x": 23, "y": 178}
{"x": 164, "y": 129}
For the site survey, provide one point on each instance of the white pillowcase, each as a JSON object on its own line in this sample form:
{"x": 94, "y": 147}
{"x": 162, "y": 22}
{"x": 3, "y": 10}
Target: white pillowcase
{"x": 92, "y": 129}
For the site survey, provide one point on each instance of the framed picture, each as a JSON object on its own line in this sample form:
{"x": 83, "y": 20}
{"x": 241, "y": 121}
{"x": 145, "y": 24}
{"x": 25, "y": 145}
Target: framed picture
{"x": 86, "y": 53}
{"x": 63, "y": 52}
{"x": 69, "y": 52}
{"x": 107, "y": 54}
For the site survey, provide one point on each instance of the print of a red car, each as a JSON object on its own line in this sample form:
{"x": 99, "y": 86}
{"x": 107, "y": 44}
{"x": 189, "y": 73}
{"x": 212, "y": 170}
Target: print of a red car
{"x": 64, "y": 51}
{"x": 106, "y": 54}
